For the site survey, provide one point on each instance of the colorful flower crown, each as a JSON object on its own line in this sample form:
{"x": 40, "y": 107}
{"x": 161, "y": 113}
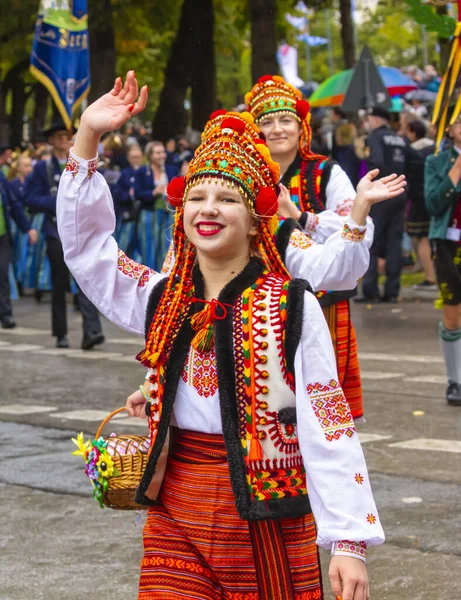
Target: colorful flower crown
{"x": 272, "y": 94}
{"x": 233, "y": 151}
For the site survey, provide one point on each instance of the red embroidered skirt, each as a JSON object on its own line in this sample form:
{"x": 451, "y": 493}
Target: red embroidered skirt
{"x": 196, "y": 547}
{"x": 347, "y": 358}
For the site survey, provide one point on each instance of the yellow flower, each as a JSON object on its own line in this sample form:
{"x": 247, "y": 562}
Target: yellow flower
{"x": 105, "y": 465}
{"x": 82, "y": 446}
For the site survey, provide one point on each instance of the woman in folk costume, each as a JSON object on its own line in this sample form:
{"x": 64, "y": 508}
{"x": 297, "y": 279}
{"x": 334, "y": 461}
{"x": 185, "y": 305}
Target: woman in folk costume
{"x": 321, "y": 198}
{"x": 242, "y": 366}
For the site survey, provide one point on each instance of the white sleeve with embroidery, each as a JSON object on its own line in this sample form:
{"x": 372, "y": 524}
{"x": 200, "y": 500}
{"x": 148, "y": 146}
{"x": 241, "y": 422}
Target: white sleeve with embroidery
{"x": 340, "y": 195}
{"x": 117, "y": 286}
{"x": 337, "y": 478}
{"x": 336, "y": 265}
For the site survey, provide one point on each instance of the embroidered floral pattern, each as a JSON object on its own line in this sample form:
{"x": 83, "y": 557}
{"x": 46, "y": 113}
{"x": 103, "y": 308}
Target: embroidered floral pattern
{"x": 371, "y": 519}
{"x": 200, "y": 372}
{"x": 72, "y": 166}
{"x": 312, "y": 221}
{"x": 344, "y": 209}
{"x": 92, "y": 168}
{"x": 353, "y": 234}
{"x": 169, "y": 261}
{"x": 133, "y": 269}
{"x": 359, "y": 479}
{"x": 348, "y": 547}
{"x": 300, "y": 240}
{"x": 331, "y": 409}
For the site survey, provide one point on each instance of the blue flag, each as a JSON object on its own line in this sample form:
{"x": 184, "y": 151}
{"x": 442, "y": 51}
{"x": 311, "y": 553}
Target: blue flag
{"x": 60, "y": 57}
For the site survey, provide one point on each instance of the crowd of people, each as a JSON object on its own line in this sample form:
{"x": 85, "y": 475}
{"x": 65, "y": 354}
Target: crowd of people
{"x": 138, "y": 170}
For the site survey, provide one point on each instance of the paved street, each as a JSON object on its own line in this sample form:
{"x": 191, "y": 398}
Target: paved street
{"x": 55, "y": 541}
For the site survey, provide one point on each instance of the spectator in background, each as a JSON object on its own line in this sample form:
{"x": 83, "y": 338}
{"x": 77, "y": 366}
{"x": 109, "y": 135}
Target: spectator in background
{"x": 431, "y": 81}
{"x": 41, "y": 192}
{"x": 418, "y": 218}
{"x": 124, "y": 198}
{"x": 318, "y": 142}
{"x": 6, "y": 153}
{"x": 155, "y": 219}
{"x": 9, "y": 207}
{"x": 346, "y": 135}
{"x": 388, "y": 153}
{"x": 22, "y": 169}
{"x": 184, "y": 150}
{"x": 442, "y": 192}
{"x": 172, "y": 156}
{"x": 338, "y": 117}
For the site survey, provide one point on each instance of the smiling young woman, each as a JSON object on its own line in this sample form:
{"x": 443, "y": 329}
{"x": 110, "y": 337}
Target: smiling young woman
{"x": 265, "y": 464}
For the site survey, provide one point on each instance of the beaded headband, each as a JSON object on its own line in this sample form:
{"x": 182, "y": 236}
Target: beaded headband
{"x": 273, "y": 95}
{"x": 232, "y": 151}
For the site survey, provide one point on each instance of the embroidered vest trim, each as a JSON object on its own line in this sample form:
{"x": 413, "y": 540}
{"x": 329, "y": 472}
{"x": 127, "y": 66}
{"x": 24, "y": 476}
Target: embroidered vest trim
{"x": 257, "y": 401}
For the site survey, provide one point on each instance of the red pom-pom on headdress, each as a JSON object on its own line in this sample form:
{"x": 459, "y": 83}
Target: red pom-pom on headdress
{"x": 302, "y": 108}
{"x": 233, "y": 123}
{"x": 266, "y": 203}
{"x": 217, "y": 113}
{"x": 265, "y": 78}
{"x": 175, "y": 191}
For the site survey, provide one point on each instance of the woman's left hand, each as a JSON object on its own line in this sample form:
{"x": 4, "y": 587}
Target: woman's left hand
{"x": 287, "y": 208}
{"x": 378, "y": 190}
{"x": 349, "y": 578}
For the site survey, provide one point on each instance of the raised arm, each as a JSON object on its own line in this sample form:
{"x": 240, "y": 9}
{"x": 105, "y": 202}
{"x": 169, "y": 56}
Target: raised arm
{"x": 343, "y": 258}
{"x": 118, "y": 286}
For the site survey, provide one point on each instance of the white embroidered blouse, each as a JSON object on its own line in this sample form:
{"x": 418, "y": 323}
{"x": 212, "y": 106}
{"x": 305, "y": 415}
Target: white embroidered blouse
{"x": 340, "y": 194}
{"x": 337, "y": 478}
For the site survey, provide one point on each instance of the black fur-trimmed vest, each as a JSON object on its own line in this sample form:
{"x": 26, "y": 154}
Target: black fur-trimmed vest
{"x": 255, "y": 347}
{"x": 307, "y": 182}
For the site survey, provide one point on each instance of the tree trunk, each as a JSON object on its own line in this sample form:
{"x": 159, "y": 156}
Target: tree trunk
{"x": 171, "y": 117}
{"x": 4, "y": 127}
{"x": 102, "y": 48}
{"x": 263, "y": 38}
{"x": 347, "y": 33}
{"x": 41, "y": 98}
{"x": 444, "y": 43}
{"x": 203, "y": 83}
{"x": 14, "y": 82}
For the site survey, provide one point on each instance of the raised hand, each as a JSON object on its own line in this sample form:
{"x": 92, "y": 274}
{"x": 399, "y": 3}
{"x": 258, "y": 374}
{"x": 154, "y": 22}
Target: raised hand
{"x": 377, "y": 190}
{"x": 286, "y": 206}
{"x": 115, "y": 108}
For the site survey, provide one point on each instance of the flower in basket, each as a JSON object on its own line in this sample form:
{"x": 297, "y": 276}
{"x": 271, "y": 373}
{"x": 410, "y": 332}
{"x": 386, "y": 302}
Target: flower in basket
{"x": 99, "y": 464}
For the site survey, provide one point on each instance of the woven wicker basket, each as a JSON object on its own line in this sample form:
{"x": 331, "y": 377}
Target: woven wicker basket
{"x": 129, "y": 454}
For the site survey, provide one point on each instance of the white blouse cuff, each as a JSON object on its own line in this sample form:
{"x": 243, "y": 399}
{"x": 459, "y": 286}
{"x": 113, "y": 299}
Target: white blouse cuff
{"x": 79, "y": 168}
{"x": 353, "y": 232}
{"x": 312, "y": 222}
{"x": 348, "y": 548}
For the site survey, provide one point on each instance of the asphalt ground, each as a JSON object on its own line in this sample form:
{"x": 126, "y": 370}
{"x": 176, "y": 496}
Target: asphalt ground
{"x": 56, "y": 543}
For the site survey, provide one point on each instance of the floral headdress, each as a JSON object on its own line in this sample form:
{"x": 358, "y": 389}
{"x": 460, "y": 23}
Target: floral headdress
{"x": 233, "y": 153}
{"x": 272, "y": 94}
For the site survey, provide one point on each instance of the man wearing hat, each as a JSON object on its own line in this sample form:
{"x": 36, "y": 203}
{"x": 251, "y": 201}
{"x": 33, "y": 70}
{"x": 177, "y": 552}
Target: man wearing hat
{"x": 442, "y": 194}
{"x": 9, "y": 207}
{"x": 387, "y": 152}
{"x": 40, "y": 197}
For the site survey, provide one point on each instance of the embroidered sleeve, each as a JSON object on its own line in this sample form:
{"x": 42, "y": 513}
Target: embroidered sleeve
{"x": 134, "y": 270}
{"x": 115, "y": 284}
{"x": 300, "y": 240}
{"x": 353, "y": 234}
{"x": 312, "y": 222}
{"x": 348, "y": 548}
{"x": 336, "y": 473}
{"x": 344, "y": 209}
